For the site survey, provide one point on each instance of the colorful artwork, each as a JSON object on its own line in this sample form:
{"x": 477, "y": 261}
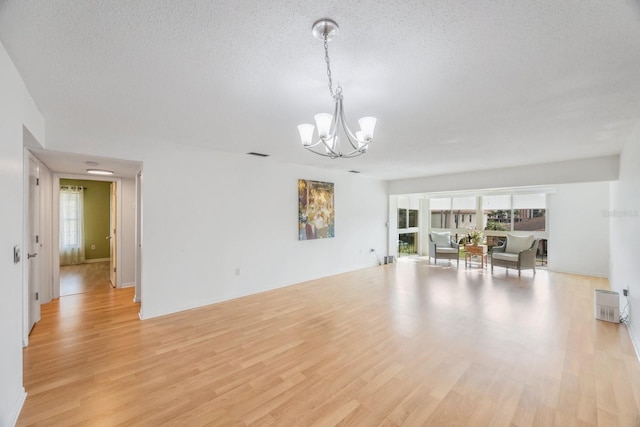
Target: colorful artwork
{"x": 315, "y": 210}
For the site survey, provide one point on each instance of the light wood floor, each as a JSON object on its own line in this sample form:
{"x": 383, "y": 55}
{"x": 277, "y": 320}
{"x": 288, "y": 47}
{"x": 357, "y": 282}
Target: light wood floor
{"x": 81, "y": 278}
{"x": 403, "y": 344}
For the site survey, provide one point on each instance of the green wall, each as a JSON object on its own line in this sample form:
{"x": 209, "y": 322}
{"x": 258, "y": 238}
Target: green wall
{"x": 96, "y": 216}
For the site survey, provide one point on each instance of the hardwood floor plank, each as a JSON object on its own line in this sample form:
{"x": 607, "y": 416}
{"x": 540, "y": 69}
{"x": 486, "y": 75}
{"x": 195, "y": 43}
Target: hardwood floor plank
{"x": 403, "y": 344}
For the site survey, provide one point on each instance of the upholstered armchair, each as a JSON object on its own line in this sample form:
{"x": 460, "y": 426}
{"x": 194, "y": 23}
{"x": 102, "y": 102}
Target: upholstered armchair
{"x": 516, "y": 252}
{"x": 442, "y": 247}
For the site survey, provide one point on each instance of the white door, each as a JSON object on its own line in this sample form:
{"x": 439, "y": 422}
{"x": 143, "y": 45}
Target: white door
{"x": 112, "y": 236}
{"x": 33, "y": 245}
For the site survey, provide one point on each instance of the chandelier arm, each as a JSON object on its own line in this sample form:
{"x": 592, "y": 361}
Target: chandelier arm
{"x": 331, "y": 153}
{"x": 356, "y": 152}
{"x": 350, "y": 136}
{"x": 337, "y": 112}
{"x": 352, "y": 154}
{"x": 314, "y": 145}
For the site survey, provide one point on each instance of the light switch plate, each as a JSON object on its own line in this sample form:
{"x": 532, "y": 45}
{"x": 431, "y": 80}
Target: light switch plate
{"x": 16, "y": 254}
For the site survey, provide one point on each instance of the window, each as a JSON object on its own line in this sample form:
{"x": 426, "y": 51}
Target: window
{"x": 407, "y": 218}
{"x": 69, "y": 207}
{"x": 496, "y": 215}
{"x": 413, "y": 218}
{"x": 440, "y": 213}
{"x": 71, "y": 225}
{"x": 529, "y": 212}
{"x": 463, "y": 207}
{"x": 402, "y": 218}
{"x": 407, "y": 243}
{"x": 496, "y": 212}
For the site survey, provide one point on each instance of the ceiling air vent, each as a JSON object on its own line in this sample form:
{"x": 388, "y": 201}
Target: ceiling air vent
{"x": 258, "y": 154}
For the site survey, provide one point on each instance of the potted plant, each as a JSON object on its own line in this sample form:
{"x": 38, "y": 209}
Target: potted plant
{"x": 475, "y": 237}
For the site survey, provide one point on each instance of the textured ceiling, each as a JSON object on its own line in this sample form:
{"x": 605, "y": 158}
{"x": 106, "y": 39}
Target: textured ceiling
{"x": 455, "y": 86}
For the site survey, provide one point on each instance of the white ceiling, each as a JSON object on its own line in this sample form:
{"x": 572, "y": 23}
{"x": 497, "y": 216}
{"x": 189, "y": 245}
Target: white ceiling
{"x": 77, "y": 164}
{"x": 455, "y": 85}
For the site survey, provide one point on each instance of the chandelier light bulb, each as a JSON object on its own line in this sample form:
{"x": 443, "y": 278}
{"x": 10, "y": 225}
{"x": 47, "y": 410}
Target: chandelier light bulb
{"x": 323, "y": 121}
{"x": 367, "y": 126}
{"x": 306, "y": 133}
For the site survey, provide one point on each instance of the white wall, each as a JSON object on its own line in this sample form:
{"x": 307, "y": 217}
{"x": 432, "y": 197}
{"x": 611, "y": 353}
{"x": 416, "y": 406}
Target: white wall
{"x": 585, "y": 170}
{"x": 17, "y": 109}
{"x": 208, "y": 213}
{"x": 128, "y": 232}
{"x": 624, "y": 219}
{"x": 579, "y": 229}
{"x": 216, "y": 214}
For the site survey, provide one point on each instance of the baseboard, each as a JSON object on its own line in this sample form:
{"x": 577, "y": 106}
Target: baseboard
{"x": 576, "y": 273}
{"x": 632, "y": 336}
{"x": 128, "y": 285}
{"x": 90, "y": 261}
{"x": 15, "y": 413}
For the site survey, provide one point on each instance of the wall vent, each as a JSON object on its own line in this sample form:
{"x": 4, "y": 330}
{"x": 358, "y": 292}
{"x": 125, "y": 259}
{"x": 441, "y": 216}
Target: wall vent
{"x": 354, "y": 171}
{"x": 253, "y": 153}
{"x": 607, "y": 305}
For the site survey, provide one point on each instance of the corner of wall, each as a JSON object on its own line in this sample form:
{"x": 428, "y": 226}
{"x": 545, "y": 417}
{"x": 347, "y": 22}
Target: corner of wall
{"x": 624, "y": 224}
{"x": 17, "y": 408}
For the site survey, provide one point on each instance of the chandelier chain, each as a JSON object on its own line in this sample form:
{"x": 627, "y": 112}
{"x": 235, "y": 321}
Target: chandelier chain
{"x": 326, "y": 59}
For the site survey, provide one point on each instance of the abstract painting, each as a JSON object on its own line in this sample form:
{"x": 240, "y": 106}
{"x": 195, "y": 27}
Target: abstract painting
{"x": 316, "y": 215}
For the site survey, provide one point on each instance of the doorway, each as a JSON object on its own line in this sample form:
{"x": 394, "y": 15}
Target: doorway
{"x": 101, "y": 238}
{"x": 84, "y": 278}
{"x": 45, "y": 266}
{"x": 86, "y": 230}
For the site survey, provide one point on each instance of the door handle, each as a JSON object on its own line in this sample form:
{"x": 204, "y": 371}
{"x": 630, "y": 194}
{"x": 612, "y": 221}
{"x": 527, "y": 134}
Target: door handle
{"x": 108, "y": 237}
{"x": 32, "y": 255}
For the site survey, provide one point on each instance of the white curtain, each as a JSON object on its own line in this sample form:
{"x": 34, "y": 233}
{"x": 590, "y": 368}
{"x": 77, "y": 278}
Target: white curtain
{"x": 71, "y": 225}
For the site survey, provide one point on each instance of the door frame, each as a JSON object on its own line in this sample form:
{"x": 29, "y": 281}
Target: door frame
{"x": 55, "y": 217}
{"x": 27, "y": 279}
{"x": 138, "y": 261}
{"x": 114, "y": 224}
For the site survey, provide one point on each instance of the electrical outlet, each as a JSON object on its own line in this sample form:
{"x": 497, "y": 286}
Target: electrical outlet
{"x": 625, "y": 292}
{"x": 93, "y": 246}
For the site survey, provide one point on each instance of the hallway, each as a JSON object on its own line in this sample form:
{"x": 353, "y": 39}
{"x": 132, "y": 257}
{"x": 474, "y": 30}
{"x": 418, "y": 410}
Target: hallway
{"x": 83, "y": 278}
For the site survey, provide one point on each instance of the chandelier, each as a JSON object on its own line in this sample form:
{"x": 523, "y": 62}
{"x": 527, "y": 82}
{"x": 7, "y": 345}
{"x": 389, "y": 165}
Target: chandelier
{"x": 328, "y": 143}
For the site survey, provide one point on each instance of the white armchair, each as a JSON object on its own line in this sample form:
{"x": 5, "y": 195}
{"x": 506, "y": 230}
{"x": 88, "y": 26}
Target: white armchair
{"x": 442, "y": 247}
{"x": 516, "y": 252}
